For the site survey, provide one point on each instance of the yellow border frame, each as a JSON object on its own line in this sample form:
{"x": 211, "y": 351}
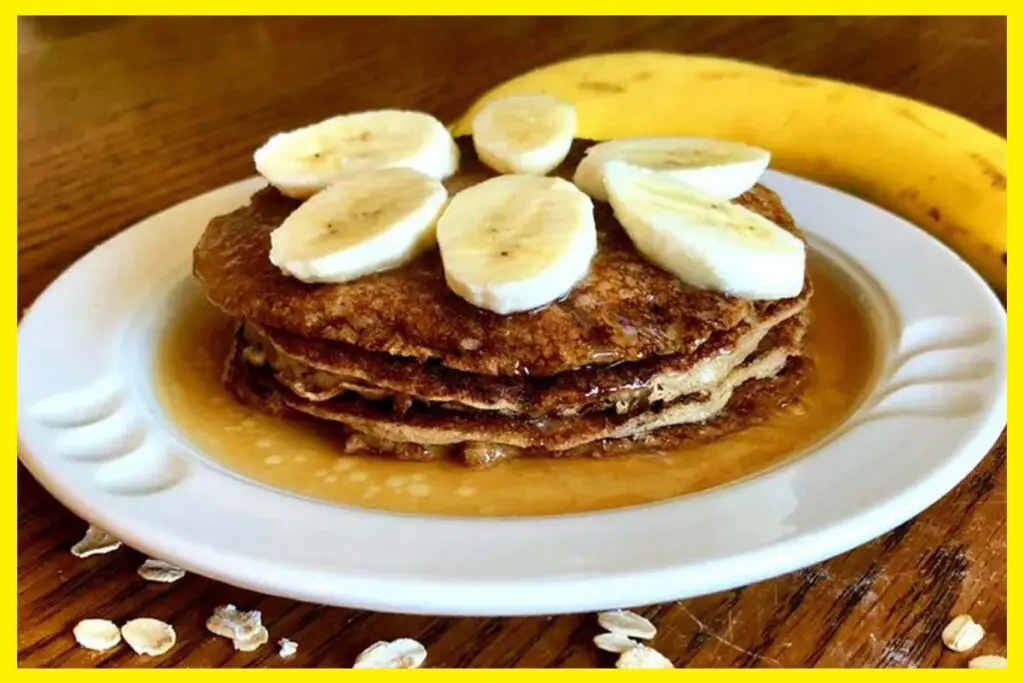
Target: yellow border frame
{"x": 442, "y": 7}
{"x": 525, "y": 7}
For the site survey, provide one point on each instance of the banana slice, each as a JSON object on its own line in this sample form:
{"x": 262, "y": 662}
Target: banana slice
{"x": 302, "y": 162}
{"x": 528, "y": 134}
{"x": 362, "y": 224}
{"x": 516, "y": 242}
{"x": 703, "y": 240}
{"x": 723, "y": 169}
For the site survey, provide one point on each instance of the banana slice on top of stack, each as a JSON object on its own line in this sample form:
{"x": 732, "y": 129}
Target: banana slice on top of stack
{"x": 528, "y": 134}
{"x": 516, "y": 242}
{"x": 522, "y": 240}
{"x": 362, "y": 224}
{"x": 706, "y": 241}
{"x": 671, "y": 196}
{"x": 302, "y": 162}
{"x": 720, "y": 168}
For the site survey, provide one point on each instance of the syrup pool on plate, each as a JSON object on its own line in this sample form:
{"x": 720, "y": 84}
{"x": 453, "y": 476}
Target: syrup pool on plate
{"x": 302, "y": 457}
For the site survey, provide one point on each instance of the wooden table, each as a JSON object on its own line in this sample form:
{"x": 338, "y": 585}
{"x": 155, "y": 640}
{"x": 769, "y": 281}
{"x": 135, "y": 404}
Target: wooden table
{"x": 119, "y": 118}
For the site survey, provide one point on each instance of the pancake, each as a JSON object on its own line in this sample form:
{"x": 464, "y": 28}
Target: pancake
{"x": 750, "y": 403}
{"x": 318, "y": 371}
{"x": 430, "y": 425}
{"x": 625, "y": 310}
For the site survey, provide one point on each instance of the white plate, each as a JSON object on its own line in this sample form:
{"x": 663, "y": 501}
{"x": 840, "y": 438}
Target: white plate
{"x": 91, "y": 432}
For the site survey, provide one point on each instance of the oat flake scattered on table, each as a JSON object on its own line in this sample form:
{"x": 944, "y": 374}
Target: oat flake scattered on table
{"x": 987, "y": 662}
{"x": 244, "y": 629}
{"x": 626, "y": 623}
{"x": 149, "y": 636}
{"x": 97, "y": 634}
{"x": 160, "y": 571}
{"x": 962, "y": 634}
{"x": 614, "y": 642}
{"x": 287, "y": 648}
{"x": 404, "y": 653}
{"x": 95, "y": 542}
{"x": 643, "y": 657}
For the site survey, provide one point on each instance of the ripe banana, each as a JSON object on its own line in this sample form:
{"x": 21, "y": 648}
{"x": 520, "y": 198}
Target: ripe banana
{"x": 703, "y": 239}
{"x": 516, "y": 242}
{"x": 938, "y": 170}
{"x": 302, "y": 162}
{"x": 364, "y": 223}
{"x": 723, "y": 169}
{"x": 528, "y": 134}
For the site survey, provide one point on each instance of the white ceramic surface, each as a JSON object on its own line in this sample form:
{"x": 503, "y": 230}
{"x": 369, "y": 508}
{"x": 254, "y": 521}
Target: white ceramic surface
{"x": 91, "y": 432}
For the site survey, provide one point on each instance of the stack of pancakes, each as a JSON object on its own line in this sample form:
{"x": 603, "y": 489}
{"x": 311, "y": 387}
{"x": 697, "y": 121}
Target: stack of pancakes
{"x": 632, "y": 359}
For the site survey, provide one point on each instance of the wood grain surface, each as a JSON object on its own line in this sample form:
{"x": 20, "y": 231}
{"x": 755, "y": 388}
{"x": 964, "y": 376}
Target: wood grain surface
{"x": 121, "y": 117}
